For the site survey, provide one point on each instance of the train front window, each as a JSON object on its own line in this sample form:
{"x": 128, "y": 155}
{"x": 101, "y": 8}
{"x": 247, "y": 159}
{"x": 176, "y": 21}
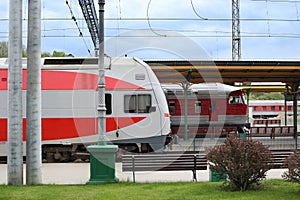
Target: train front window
{"x": 140, "y": 103}
{"x": 235, "y": 100}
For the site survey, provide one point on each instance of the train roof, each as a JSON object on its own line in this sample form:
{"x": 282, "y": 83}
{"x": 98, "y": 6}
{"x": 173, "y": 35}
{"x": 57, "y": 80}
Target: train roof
{"x": 268, "y": 102}
{"x": 214, "y": 87}
{"x": 78, "y": 62}
{"x": 203, "y": 88}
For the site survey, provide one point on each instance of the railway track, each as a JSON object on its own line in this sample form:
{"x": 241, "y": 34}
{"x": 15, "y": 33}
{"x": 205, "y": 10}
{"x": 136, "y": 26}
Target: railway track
{"x": 197, "y": 145}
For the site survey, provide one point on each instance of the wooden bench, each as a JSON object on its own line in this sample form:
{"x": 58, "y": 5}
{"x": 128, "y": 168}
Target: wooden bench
{"x": 272, "y": 132}
{"x": 267, "y": 122}
{"x": 278, "y": 158}
{"x": 164, "y": 162}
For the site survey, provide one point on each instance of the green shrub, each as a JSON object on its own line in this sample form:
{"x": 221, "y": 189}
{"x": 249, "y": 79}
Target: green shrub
{"x": 244, "y": 161}
{"x": 293, "y": 164}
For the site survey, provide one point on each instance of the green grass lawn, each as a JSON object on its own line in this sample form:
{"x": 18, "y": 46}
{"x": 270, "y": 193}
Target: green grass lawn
{"x": 271, "y": 189}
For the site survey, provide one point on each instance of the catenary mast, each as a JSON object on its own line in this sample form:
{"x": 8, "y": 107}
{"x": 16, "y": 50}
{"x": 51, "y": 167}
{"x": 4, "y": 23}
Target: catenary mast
{"x": 15, "y": 118}
{"x": 236, "y": 34}
{"x": 33, "y": 95}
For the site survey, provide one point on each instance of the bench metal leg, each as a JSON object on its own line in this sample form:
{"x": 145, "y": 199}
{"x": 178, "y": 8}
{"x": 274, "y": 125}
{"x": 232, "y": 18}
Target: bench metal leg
{"x": 195, "y": 169}
{"x": 194, "y": 175}
{"x": 133, "y": 168}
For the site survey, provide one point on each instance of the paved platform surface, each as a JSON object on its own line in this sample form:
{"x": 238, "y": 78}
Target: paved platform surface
{"x": 79, "y": 173}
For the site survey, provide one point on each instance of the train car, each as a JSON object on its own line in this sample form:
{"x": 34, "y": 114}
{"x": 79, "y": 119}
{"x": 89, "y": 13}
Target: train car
{"x": 212, "y": 108}
{"x": 270, "y": 108}
{"x": 137, "y": 114}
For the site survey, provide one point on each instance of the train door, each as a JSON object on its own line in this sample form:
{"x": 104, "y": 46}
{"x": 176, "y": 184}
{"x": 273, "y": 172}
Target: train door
{"x": 213, "y": 116}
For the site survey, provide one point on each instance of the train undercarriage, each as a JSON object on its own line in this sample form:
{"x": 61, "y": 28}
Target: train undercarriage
{"x": 201, "y": 131}
{"x": 79, "y": 153}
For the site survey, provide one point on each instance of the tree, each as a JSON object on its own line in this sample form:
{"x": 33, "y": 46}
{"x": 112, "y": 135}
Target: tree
{"x": 58, "y": 54}
{"x": 267, "y": 96}
{"x": 4, "y": 52}
{"x": 293, "y": 165}
{"x": 3, "y": 49}
{"x": 46, "y": 54}
{"x": 245, "y": 162}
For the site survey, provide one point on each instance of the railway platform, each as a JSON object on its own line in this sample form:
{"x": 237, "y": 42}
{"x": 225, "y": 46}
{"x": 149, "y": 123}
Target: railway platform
{"x": 78, "y": 173}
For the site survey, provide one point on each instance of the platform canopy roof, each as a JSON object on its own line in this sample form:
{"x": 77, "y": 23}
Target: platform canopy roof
{"x": 196, "y": 71}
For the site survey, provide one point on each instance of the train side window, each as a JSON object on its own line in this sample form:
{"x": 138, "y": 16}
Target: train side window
{"x": 255, "y": 108}
{"x": 264, "y": 108}
{"x": 130, "y": 105}
{"x": 198, "y": 107}
{"x": 172, "y": 107}
{"x": 235, "y": 100}
{"x": 108, "y": 104}
{"x": 289, "y": 107}
{"x": 140, "y": 103}
{"x": 272, "y": 108}
{"x": 281, "y": 108}
{"x": 144, "y": 103}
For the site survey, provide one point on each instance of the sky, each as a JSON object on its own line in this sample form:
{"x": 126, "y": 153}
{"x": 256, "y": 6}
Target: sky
{"x": 179, "y": 29}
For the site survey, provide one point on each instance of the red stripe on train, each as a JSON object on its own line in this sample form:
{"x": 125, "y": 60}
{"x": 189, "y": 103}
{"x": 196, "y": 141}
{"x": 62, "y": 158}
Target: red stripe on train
{"x": 66, "y": 128}
{"x": 63, "y": 80}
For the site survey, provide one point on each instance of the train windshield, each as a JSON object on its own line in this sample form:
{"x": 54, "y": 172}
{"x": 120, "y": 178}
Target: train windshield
{"x": 236, "y": 99}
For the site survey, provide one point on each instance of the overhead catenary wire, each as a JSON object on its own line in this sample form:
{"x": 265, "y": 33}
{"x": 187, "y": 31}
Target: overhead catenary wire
{"x": 196, "y": 13}
{"x": 168, "y": 19}
{"x": 149, "y": 24}
{"x": 120, "y": 20}
{"x": 208, "y": 35}
{"x": 153, "y": 36}
{"x": 80, "y": 32}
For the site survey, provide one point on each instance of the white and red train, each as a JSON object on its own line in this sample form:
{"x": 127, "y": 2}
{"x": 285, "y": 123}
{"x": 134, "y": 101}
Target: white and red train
{"x": 212, "y": 108}
{"x": 137, "y": 114}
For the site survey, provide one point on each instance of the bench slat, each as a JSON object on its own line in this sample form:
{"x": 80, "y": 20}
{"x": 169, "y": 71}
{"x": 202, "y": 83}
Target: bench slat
{"x": 163, "y": 162}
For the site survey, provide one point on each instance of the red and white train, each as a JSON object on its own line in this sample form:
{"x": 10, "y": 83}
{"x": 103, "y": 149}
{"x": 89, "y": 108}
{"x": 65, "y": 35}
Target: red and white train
{"x": 212, "y": 108}
{"x": 137, "y": 113}
{"x": 270, "y": 108}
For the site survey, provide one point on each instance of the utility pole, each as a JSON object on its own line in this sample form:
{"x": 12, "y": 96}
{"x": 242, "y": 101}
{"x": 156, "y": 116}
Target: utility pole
{"x": 236, "y": 36}
{"x": 33, "y": 96}
{"x": 15, "y": 118}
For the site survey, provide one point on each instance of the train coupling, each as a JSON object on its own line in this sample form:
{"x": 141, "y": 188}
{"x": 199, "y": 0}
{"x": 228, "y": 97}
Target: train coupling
{"x": 169, "y": 139}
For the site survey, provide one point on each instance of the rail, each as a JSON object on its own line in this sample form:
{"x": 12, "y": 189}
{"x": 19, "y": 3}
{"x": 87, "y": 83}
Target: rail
{"x": 164, "y": 162}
